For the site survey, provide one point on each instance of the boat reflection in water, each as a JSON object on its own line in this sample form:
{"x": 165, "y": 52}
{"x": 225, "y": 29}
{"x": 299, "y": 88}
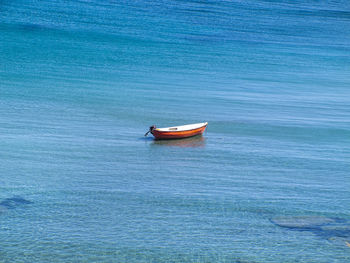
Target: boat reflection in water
{"x": 195, "y": 141}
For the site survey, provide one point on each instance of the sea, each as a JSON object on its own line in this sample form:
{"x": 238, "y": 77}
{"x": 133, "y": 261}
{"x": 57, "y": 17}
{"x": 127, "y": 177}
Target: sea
{"x": 81, "y": 82}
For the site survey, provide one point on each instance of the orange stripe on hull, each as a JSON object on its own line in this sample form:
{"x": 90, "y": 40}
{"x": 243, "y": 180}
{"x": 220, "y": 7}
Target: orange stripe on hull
{"x": 159, "y": 135}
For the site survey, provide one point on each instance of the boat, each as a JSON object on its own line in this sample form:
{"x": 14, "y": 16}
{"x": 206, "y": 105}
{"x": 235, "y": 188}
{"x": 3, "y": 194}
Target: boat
{"x": 177, "y": 132}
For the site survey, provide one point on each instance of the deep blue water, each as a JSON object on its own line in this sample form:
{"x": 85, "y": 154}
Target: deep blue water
{"x": 81, "y": 82}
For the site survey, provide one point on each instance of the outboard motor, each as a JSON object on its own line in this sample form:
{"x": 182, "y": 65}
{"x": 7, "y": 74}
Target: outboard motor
{"x": 150, "y": 129}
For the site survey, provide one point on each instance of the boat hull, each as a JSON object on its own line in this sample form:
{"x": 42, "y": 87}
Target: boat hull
{"x": 166, "y": 135}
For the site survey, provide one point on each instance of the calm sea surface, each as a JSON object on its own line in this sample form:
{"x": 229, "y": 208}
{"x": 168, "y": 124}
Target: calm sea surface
{"x": 81, "y": 82}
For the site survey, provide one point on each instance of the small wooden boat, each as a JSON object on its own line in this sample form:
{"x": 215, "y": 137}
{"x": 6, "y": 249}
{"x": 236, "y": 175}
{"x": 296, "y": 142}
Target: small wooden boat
{"x": 177, "y": 132}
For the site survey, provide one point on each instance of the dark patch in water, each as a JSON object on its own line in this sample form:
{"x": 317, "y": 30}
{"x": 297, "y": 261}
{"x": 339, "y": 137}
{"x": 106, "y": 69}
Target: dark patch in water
{"x": 336, "y": 231}
{"x": 29, "y": 27}
{"x": 325, "y": 227}
{"x": 13, "y": 202}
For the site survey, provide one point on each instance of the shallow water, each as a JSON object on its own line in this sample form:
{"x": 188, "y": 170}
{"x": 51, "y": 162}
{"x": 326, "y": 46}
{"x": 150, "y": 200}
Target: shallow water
{"x": 81, "y": 82}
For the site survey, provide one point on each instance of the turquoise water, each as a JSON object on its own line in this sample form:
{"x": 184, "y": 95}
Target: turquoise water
{"x": 81, "y": 82}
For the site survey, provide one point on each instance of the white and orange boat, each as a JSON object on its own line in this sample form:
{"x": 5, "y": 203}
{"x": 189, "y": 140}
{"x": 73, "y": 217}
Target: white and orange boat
{"x": 177, "y": 132}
